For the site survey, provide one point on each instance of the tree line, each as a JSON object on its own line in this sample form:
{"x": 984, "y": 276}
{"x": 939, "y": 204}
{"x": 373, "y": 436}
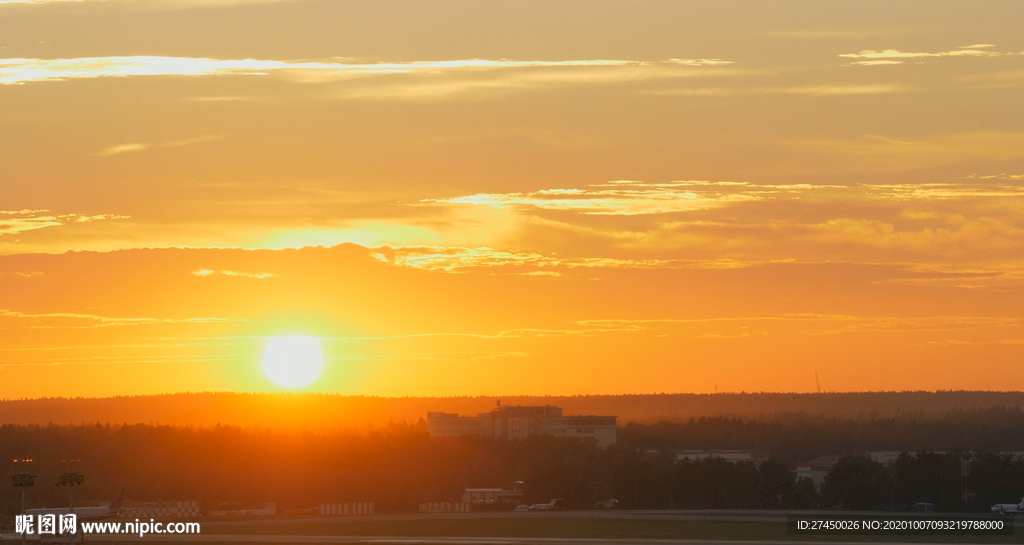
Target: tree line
{"x": 399, "y": 466}
{"x": 333, "y": 412}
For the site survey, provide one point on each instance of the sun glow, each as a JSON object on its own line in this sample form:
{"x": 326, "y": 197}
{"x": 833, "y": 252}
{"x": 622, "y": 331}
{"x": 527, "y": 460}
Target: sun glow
{"x": 293, "y": 361}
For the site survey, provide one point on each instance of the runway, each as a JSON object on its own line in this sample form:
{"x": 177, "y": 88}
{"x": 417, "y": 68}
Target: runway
{"x": 530, "y": 528}
{"x": 402, "y": 540}
{"x": 666, "y": 515}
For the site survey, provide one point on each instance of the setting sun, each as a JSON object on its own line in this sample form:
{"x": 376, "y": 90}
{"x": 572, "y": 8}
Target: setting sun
{"x": 293, "y": 361}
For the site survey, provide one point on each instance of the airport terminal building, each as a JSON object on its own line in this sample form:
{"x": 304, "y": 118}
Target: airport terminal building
{"x": 521, "y": 422}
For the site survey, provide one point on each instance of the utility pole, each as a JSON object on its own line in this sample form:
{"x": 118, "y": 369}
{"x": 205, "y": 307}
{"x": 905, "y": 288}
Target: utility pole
{"x": 817, "y": 382}
{"x": 70, "y": 479}
{"x": 23, "y": 480}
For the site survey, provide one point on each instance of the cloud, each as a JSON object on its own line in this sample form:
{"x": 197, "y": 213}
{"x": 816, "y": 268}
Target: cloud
{"x": 919, "y": 324}
{"x": 955, "y": 226}
{"x": 123, "y": 148}
{"x": 824, "y": 90}
{"x": 236, "y": 98}
{"x": 430, "y": 87}
{"x": 72, "y": 320}
{"x": 18, "y": 221}
{"x": 946, "y": 191}
{"x": 619, "y": 198}
{"x": 128, "y": 148}
{"x": 2, "y": 2}
{"x": 877, "y": 151}
{"x": 25, "y": 70}
{"x": 845, "y": 33}
{"x": 698, "y": 62}
{"x": 877, "y": 63}
{"x": 196, "y": 140}
{"x": 587, "y": 231}
{"x": 813, "y": 324}
{"x": 24, "y": 274}
{"x": 208, "y": 272}
{"x": 456, "y": 258}
{"x": 1000, "y": 176}
{"x": 983, "y": 234}
{"x": 9, "y": 313}
{"x": 381, "y": 81}
{"x": 840, "y": 90}
{"x": 871, "y": 57}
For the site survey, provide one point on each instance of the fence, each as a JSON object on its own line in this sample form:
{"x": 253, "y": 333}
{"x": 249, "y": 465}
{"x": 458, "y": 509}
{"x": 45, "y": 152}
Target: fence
{"x": 346, "y": 509}
{"x": 446, "y": 507}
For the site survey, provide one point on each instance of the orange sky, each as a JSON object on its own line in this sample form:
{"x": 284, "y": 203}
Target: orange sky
{"x": 524, "y": 197}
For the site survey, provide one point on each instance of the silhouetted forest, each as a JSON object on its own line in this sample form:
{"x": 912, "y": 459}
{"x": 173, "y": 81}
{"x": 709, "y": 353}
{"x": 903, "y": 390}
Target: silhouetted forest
{"x": 794, "y": 438}
{"x": 398, "y": 466}
{"x": 328, "y": 412}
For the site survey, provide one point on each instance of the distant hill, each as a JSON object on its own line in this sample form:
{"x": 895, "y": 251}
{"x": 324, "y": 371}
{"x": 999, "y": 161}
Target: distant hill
{"x": 325, "y": 411}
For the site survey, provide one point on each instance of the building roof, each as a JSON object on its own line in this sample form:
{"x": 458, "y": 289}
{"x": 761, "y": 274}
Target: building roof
{"x": 821, "y": 461}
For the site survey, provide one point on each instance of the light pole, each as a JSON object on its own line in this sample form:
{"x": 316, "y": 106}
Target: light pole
{"x": 70, "y": 479}
{"x": 23, "y": 480}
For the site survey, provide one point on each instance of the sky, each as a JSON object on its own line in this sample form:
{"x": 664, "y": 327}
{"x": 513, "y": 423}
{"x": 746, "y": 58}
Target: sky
{"x": 487, "y": 198}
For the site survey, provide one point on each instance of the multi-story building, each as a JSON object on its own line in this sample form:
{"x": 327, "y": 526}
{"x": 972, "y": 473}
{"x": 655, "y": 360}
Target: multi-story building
{"x": 521, "y": 422}
{"x": 507, "y": 496}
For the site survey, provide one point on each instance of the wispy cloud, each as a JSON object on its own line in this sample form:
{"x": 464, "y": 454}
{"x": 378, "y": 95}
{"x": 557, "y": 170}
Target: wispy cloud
{"x": 955, "y": 226}
{"x": 814, "y": 324}
{"x": 18, "y": 221}
{"x": 871, "y": 57}
{"x": 74, "y": 320}
{"x": 196, "y": 140}
{"x": 438, "y": 85}
{"x": 123, "y": 148}
{"x": 871, "y": 150}
{"x": 456, "y": 258}
{"x": 25, "y": 70}
{"x": 9, "y": 313}
{"x": 845, "y": 33}
{"x": 128, "y": 148}
{"x": 824, "y": 90}
{"x": 209, "y": 272}
{"x": 235, "y": 98}
{"x": 946, "y": 191}
{"x": 698, "y": 62}
{"x": 24, "y": 274}
{"x": 620, "y": 198}
{"x": 1000, "y": 176}
{"x": 2, "y": 2}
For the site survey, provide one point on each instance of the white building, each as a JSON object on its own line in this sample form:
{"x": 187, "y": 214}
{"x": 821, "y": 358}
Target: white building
{"x": 508, "y": 496}
{"x": 734, "y": 456}
{"x": 521, "y": 422}
{"x": 817, "y": 469}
